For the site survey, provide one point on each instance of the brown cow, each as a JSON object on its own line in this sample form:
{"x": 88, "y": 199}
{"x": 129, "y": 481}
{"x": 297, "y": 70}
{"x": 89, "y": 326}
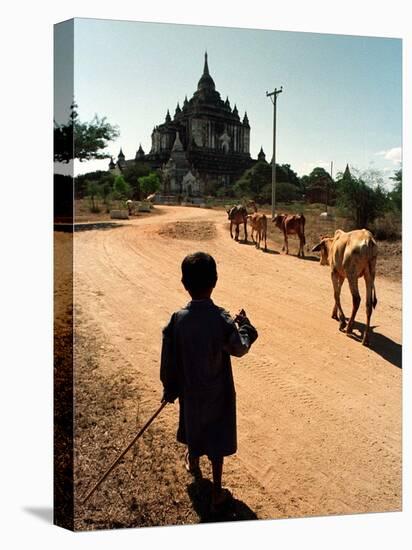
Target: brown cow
{"x": 291, "y": 224}
{"x": 259, "y": 226}
{"x": 351, "y": 255}
{"x": 237, "y": 215}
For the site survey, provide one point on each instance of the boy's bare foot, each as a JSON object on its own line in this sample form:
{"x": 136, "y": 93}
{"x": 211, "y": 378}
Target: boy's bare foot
{"x": 192, "y": 464}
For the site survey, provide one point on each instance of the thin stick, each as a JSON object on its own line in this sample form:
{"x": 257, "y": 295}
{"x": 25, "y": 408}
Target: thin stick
{"x": 118, "y": 459}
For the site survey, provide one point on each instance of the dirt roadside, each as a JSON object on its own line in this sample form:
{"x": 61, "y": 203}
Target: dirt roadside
{"x": 319, "y": 415}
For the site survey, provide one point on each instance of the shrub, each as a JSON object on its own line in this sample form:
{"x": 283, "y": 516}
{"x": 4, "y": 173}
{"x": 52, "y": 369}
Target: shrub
{"x": 387, "y": 227}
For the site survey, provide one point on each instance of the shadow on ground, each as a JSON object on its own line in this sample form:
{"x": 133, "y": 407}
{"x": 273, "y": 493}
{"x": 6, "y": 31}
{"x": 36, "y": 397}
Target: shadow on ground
{"x": 200, "y": 493}
{"x": 96, "y": 225}
{"x": 41, "y": 512}
{"x": 388, "y": 349}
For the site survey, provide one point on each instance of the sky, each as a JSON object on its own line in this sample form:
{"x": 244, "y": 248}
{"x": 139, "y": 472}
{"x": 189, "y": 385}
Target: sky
{"x": 341, "y": 101}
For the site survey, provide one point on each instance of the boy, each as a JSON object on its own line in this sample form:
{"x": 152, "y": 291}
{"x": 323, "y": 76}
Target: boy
{"x": 195, "y": 367}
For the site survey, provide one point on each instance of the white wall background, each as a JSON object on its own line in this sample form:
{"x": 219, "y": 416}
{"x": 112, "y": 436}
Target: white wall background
{"x": 26, "y": 274}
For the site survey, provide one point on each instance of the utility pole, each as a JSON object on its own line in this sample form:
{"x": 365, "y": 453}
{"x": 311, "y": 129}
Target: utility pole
{"x": 328, "y": 186}
{"x": 273, "y": 97}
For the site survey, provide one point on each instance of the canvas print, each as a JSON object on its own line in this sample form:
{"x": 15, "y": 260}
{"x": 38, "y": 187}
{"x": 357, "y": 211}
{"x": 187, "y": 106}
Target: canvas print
{"x": 228, "y": 253}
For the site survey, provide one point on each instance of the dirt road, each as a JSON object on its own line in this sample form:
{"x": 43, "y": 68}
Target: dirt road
{"x": 319, "y": 415}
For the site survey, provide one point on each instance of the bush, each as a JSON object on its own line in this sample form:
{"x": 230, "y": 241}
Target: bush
{"x": 387, "y": 227}
{"x": 362, "y": 203}
{"x": 121, "y": 189}
{"x": 149, "y": 184}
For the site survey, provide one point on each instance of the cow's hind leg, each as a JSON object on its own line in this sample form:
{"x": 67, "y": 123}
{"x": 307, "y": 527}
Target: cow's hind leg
{"x": 285, "y": 244}
{"x": 337, "y": 282}
{"x": 231, "y": 225}
{"x": 301, "y": 246}
{"x": 369, "y": 305}
{"x": 356, "y": 299}
{"x": 236, "y": 232}
{"x": 245, "y": 226}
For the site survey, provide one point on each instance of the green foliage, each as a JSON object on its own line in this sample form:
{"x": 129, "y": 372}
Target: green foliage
{"x": 149, "y": 184}
{"x": 82, "y": 140}
{"x": 93, "y": 192}
{"x": 286, "y": 192}
{"x": 121, "y": 189}
{"x": 101, "y": 177}
{"x": 256, "y": 183}
{"x": 395, "y": 195}
{"x": 132, "y": 173}
{"x": 319, "y": 186}
{"x": 361, "y": 202}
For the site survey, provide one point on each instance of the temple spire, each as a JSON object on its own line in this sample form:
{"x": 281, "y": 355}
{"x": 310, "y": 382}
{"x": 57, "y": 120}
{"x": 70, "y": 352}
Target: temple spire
{"x": 206, "y": 82}
{"x": 206, "y": 67}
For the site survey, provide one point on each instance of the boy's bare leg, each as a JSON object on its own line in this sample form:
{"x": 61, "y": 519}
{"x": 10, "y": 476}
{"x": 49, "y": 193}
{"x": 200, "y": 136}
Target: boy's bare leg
{"x": 192, "y": 463}
{"x": 219, "y": 495}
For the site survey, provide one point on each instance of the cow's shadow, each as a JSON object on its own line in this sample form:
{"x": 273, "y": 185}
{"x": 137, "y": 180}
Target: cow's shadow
{"x": 380, "y": 344}
{"x": 242, "y": 241}
{"x": 269, "y": 251}
{"x": 262, "y": 248}
{"x": 200, "y": 491}
{"x": 310, "y": 258}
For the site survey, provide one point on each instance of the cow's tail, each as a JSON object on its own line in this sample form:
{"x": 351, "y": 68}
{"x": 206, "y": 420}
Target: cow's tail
{"x": 374, "y": 297}
{"x": 303, "y": 228}
{"x": 372, "y": 251}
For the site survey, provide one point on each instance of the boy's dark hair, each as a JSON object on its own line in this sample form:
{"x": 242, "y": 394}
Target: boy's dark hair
{"x": 199, "y": 272}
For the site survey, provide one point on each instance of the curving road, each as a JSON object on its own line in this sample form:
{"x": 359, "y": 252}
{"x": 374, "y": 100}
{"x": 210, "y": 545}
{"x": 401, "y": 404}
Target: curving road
{"x": 319, "y": 415}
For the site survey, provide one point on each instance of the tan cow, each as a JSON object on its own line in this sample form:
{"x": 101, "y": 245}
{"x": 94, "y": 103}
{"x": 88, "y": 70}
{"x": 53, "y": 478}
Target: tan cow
{"x": 291, "y": 224}
{"x": 258, "y": 224}
{"x": 351, "y": 255}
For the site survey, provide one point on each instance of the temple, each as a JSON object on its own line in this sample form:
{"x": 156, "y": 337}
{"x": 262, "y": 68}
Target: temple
{"x": 204, "y": 145}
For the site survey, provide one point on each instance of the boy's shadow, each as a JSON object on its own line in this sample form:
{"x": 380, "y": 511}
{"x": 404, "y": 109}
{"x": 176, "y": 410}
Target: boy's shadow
{"x": 200, "y": 493}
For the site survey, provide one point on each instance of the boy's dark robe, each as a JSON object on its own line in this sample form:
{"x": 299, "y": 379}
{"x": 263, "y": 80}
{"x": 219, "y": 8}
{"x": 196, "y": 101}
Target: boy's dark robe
{"x": 196, "y": 368}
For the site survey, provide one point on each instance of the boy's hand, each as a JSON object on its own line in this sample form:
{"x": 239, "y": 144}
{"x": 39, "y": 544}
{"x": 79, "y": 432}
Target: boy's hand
{"x": 241, "y": 317}
{"x": 169, "y": 397}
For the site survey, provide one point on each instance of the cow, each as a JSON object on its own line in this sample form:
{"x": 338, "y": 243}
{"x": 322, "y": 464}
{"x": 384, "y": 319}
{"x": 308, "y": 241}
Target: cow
{"x": 291, "y": 224}
{"x": 237, "y": 215}
{"x": 351, "y": 255}
{"x": 258, "y": 224}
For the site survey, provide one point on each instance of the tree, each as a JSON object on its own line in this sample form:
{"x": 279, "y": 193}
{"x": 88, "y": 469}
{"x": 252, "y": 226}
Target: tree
{"x": 256, "y": 183}
{"x": 99, "y": 176}
{"x": 362, "y": 203}
{"x": 121, "y": 189}
{"x": 319, "y": 186}
{"x": 149, "y": 184}
{"x": 82, "y": 140}
{"x": 132, "y": 173}
{"x": 93, "y": 191}
{"x": 396, "y": 194}
{"x": 253, "y": 180}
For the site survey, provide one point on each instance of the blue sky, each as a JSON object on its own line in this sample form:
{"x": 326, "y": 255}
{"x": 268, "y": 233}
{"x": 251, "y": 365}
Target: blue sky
{"x": 341, "y": 100}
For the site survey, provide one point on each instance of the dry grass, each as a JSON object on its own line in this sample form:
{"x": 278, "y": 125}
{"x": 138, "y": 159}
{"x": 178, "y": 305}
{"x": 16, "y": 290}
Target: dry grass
{"x": 195, "y": 231}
